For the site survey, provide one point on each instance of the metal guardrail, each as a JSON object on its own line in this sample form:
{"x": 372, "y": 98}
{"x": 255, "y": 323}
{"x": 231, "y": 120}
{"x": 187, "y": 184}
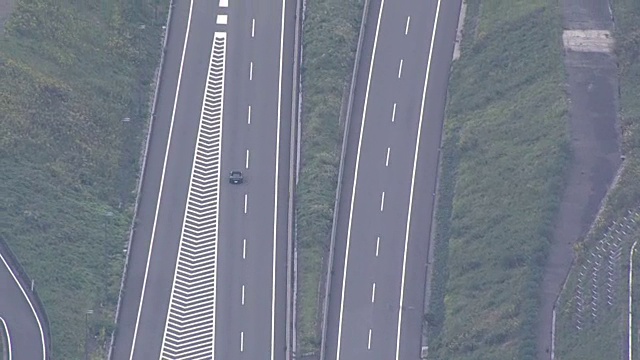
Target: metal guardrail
{"x": 325, "y": 305}
{"x": 143, "y": 157}
{"x": 294, "y": 154}
{"x": 29, "y": 287}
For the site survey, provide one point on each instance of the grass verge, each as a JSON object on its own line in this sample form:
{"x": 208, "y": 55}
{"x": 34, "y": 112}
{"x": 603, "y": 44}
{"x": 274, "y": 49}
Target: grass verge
{"x": 608, "y": 338}
{"x": 71, "y": 72}
{"x": 504, "y": 155}
{"x": 329, "y": 43}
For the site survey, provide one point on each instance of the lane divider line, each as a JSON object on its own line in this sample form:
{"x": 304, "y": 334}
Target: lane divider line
{"x": 5, "y": 331}
{"x": 400, "y": 69}
{"x": 355, "y": 182}
{"x": 393, "y": 114}
{"x": 413, "y": 180}
{"x": 406, "y": 28}
{"x": 190, "y": 325}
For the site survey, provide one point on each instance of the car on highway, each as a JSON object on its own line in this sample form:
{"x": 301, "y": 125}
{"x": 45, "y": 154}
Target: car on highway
{"x": 236, "y": 177}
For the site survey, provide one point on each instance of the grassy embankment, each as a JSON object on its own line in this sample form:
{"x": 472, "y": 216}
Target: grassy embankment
{"x": 330, "y": 37}
{"x": 505, "y": 150}
{"x": 608, "y": 338}
{"x": 71, "y": 71}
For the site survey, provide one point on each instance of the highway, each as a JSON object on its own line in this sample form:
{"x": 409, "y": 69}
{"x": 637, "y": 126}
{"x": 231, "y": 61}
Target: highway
{"x": 384, "y": 220}
{"x": 18, "y": 318}
{"x": 207, "y": 273}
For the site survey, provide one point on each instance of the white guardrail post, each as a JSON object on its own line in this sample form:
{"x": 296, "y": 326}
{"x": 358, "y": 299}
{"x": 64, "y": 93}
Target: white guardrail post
{"x": 325, "y": 305}
{"x": 143, "y": 157}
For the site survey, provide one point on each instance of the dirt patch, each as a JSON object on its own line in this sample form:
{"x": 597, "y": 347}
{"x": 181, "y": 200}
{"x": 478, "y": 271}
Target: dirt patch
{"x": 6, "y": 6}
{"x": 593, "y": 94}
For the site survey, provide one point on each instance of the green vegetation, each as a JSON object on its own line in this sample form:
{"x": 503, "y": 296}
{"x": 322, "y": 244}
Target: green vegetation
{"x": 504, "y": 154}
{"x": 606, "y": 339}
{"x": 71, "y": 72}
{"x": 329, "y": 40}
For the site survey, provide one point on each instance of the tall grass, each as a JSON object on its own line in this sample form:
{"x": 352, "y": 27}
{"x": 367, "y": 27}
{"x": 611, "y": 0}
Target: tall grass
{"x": 70, "y": 72}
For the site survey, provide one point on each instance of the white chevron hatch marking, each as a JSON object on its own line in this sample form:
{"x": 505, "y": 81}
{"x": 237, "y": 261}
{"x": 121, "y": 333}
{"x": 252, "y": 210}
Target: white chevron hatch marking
{"x": 189, "y": 331}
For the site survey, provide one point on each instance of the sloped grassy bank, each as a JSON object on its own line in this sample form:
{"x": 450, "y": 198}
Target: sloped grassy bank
{"x": 504, "y": 154}
{"x": 70, "y": 72}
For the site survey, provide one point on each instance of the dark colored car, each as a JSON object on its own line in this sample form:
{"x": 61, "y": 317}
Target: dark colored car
{"x": 235, "y": 177}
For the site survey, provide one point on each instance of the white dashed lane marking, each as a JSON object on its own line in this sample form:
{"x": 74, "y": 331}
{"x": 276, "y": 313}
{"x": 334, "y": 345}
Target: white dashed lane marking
{"x": 406, "y": 28}
{"x": 400, "y": 69}
{"x": 386, "y": 163}
{"x": 382, "y": 202}
{"x": 373, "y": 293}
{"x": 393, "y": 114}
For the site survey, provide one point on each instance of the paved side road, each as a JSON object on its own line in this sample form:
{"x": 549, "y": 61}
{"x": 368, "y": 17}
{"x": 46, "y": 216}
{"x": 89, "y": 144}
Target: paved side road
{"x": 18, "y": 318}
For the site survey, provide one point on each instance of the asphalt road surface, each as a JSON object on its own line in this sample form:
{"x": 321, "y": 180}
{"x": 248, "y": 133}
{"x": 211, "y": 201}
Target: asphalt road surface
{"x": 208, "y": 259}
{"x": 18, "y": 318}
{"x": 377, "y": 294}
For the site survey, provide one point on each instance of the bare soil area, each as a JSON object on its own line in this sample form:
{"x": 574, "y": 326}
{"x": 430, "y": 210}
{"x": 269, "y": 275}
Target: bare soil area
{"x": 593, "y": 92}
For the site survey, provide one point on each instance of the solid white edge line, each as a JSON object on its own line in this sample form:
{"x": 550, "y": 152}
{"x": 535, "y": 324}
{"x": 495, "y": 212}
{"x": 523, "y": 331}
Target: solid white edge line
{"x": 355, "y": 181}
{"x": 215, "y": 265}
{"x": 275, "y": 206}
{"x": 630, "y": 331}
{"x": 184, "y": 218}
{"x": 33, "y": 310}
{"x": 413, "y": 179}
{"x": 164, "y": 169}
{"x": 6, "y": 332}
